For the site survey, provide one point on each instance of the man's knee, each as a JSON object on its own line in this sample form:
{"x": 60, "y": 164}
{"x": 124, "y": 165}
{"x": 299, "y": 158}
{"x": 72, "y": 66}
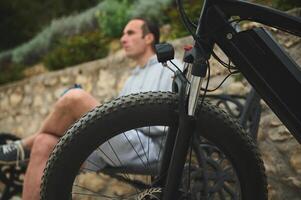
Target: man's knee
{"x": 43, "y": 145}
{"x": 71, "y": 98}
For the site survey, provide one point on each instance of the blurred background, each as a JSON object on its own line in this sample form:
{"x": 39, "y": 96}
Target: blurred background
{"x": 39, "y": 38}
{"x": 51, "y": 35}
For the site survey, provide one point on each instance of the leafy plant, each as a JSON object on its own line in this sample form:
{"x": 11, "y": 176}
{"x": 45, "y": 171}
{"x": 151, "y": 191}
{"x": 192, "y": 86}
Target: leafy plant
{"x": 77, "y": 49}
{"x": 192, "y": 8}
{"x": 287, "y": 4}
{"x": 11, "y": 72}
{"x": 31, "y": 52}
{"x": 113, "y": 16}
{"x": 280, "y": 4}
{"x": 18, "y": 25}
{"x": 151, "y": 9}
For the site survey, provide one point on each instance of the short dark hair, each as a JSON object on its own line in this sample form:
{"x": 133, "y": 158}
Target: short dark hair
{"x": 150, "y": 27}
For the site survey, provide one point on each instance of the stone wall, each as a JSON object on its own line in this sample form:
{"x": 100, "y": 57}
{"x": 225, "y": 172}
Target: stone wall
{"x": 24, "y": 104}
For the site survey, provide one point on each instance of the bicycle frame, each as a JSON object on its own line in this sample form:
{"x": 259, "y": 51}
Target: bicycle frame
{"x": 254, "y": 53}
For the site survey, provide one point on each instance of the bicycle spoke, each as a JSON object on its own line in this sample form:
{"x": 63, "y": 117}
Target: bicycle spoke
{"x": 230, "y": 191}
{"x": 142, "y": 145}
{"x": 115, "y": 160}
{"x": 221, "y": 195}
{"x": 161, "y": 142}
{"x": 92, "y": 193}
{"x": 97, "y": 189}
{"x": 115, "y": 153}
{"x": 89, "y": 192}
{"x": 121, "y": 164}
{"x": 108, "y": 157}
{"x": 136, "y": 151}
{"x": 148, "y": 143}
{"x": 93, "y": 163}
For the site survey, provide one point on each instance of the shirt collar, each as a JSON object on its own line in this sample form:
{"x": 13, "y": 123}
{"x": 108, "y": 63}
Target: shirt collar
{"x": 151, "y": 61}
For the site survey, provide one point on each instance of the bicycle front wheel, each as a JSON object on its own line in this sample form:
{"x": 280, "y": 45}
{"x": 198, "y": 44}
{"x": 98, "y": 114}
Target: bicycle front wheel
{"x": 224, "y": 163}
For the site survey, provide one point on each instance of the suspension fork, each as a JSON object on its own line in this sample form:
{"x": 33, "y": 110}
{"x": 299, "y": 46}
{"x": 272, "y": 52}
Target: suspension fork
{"x": 188, "y": 98}
{"x": 181, "y": 145}
{"x": 187, "y": 122}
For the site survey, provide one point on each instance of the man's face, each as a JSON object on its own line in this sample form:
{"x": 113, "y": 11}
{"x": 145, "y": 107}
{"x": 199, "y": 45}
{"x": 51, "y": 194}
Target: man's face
{"x": 133, "y": 41}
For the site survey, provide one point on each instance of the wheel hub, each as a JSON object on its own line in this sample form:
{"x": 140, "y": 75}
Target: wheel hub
{"x": 150, "y": 194}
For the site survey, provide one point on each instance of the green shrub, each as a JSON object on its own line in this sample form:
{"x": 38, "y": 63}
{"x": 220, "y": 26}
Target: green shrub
{"x": 11, "y": 72}
{"x": 5, "y": 58}
{"x": 192, "y": 9}
{"x": 32, "y": 51}
{"x": 113, "y": 16}
{"x": 8, "y": 71}
{"x": 77, "y": 49}
{"x": 287, "y": 4}
{"x": 110, "y": 15}
{"x": 280, "y": 4}
{"x": 151, "y": 9}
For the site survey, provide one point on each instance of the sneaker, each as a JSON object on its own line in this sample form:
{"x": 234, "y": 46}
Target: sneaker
{"x": 13, "y": 153}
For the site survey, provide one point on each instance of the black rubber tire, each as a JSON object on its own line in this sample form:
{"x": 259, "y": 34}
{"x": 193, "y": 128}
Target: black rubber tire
{"x": 146, "y": 109}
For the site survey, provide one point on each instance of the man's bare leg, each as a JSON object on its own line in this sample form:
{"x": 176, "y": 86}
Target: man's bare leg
{"x": 41, "y": 149}
{"x": 66, "y": 111}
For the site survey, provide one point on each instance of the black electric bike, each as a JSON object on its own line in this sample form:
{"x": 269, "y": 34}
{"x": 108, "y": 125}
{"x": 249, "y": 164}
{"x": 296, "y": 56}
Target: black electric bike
{"x": 205, "y": 153}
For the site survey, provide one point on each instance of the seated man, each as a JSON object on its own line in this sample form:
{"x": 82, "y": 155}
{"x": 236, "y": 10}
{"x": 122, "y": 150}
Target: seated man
{"x": 138, "y": 40}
